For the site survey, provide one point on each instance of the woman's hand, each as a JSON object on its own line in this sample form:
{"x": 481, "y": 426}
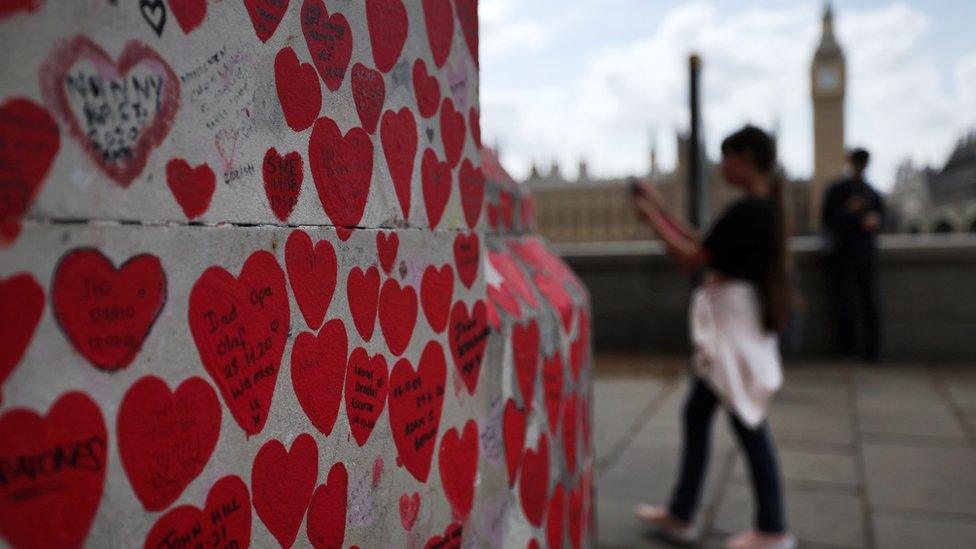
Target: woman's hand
{"x": 643, "y": 208}
{"x": 683, "y": 244}
{"x": 651, "y": 193}
{"x": 855, "y": 204}
{"x": 870, "y": 222}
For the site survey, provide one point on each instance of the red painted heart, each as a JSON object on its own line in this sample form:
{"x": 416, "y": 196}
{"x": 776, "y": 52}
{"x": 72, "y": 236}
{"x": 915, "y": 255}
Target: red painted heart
{"x": 494, "y": 319}
{"x": 471, "y": 181}
{"x": 21, "y": 307}
{"x": 377, "y": 471}
{"x": 457, "y": 461}
{"x": 166, "y": 438}
{"x": 29, "y": 141}
{"x": 387, "y": 244}
{"x": 107, "y": 312}
{"x": 534, "y": 252}
{"x": 283, "y": 176}
{"x": 466, "y": 257}
{"x": 569, "y": 432}
{"x": 525, "y": 347}
{"x": 342, "y": 168}
{"x": 54, "y": 472}
{"x": 416, "y": 401}
{"x": 579, "y": 349}
{"x": 240, "y": 327}
{"x": 192, "y": 187}
{"x": 513, "y": 430}
{"x": 555, "y": 517}
{"x": 266, "y": 15}
{"x": 226, "y": 144}
{"x": 439, "y": 19}
{"x": 368, "y": 93}
{"x": 298, "y": 90}
{"x": 474, "y": 122}
{"x": 436, "y": 294}
{"x": 318, "y": 369}
{"x": 398, "y": 134}
{"x": 398, "y": 314}
{"x": 576, "y": 517}
{"x": 226, "y": 518}
{"x": 585, "y": 422}
{"x": 468, "y": 335}
{"x": 512, "y": 278}
{"x": 409, "y": 509}
{"x": 312, "y": 274}
{"x": 436, "y": 183}
{"x": 362, "y": 293}
{"x": 387, "y": 20}
{"x": 282, "y": 482}
{"x": 327, "y": 511}
{"x": 534, "y": 481}
{"x": 552, "y": 388}
{"x": 120, "y": 139}
{"x": 189, "y": 13}
{"x": 10, "y": 8}
{"x": 329, "y": 40}
{"x": 556, "y": 294}
{"x": 499, "y": 296}
{"x": 467, "y": 11}
{"x": 452, "y": 131}
{"x": 367, "y": 384}
{"x": 451, "y": 539}
{"x": 507, "y": 202}
{"x": 426, "y": 88}
{"x": 494, "y": 214}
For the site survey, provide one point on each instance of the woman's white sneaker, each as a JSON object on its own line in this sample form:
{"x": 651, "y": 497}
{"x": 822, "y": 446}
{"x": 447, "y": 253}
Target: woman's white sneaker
{"x": 664, "y": 525}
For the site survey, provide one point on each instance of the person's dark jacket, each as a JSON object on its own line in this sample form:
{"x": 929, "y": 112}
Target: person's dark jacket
{"x": 843, "y": 225}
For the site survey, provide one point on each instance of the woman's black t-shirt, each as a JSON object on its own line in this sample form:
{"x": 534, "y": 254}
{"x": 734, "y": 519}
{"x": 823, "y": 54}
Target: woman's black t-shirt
{"x": 742, "y": 242}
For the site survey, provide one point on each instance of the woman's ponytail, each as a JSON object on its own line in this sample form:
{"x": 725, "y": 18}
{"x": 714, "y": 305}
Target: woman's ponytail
{"x": 777, "y": 301}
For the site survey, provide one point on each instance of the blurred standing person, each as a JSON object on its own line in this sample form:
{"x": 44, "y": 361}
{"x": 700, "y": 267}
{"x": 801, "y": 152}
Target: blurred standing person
{"x": 852, "y": 215}
{"x": 735, "y": 317}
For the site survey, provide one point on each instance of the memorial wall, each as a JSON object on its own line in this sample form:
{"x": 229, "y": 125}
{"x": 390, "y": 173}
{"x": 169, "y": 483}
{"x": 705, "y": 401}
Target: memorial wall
{"x": 261, "y": 284}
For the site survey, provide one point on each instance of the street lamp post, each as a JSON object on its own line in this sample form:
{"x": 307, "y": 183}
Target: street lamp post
{"x": 696, "y": 170}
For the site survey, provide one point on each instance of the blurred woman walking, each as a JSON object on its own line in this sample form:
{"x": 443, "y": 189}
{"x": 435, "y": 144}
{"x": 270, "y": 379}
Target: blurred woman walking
{"x": 735, "y": 318}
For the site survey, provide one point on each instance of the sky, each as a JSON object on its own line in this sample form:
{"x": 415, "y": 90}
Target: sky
{"x": 604, "y": 79}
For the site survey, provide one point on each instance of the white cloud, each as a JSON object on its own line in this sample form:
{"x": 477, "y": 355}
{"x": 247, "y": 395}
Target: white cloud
{"x": 899, "y": 105}
{"x": 966, "y": 79}
{"x": 503, "y": 32}
{"x": 756, "y": 68}
{"x": 521, "y": 36}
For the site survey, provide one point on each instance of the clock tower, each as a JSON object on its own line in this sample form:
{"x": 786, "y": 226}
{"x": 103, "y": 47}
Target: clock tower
{"x": 827, "y": 81}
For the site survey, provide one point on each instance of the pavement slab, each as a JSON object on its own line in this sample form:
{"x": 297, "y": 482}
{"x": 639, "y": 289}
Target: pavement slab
{"x": 871, "y": 456}
{"x": 899, "y": 532}
{"x": 833, "y": 519}
{"x": 830, "y": 469}
{"x": 918, "y": 477}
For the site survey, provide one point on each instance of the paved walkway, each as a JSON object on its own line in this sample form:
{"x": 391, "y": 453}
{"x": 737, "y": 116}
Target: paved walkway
{"x": 872, "y": 456}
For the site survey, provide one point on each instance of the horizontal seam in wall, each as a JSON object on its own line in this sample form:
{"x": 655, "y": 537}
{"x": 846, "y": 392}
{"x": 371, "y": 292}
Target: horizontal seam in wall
{"x": 69, "y": 221}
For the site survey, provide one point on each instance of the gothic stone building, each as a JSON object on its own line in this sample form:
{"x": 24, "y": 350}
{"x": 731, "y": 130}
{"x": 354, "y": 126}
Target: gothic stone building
{"x": 929, "y": 200}
{"x": 600, "y": 210}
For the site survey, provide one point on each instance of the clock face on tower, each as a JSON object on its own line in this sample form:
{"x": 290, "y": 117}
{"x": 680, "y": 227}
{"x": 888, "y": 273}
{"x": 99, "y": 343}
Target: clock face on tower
{"x": 828, "y": 78}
